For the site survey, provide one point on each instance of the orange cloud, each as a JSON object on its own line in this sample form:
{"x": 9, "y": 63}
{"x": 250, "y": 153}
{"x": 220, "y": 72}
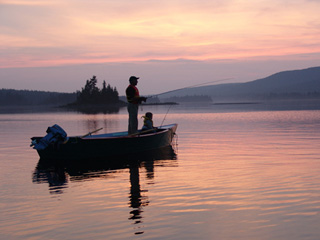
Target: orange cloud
{"x": 96, "y": 31}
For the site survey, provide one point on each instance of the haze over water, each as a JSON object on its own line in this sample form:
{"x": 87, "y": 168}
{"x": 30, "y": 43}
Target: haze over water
{"x": 241, "y": 172}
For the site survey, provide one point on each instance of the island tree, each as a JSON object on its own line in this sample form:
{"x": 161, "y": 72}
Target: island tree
{"x": 91, "y": 94}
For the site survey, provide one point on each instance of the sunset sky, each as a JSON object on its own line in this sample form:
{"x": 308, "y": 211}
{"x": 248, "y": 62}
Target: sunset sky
{"x": 57, "y": 45}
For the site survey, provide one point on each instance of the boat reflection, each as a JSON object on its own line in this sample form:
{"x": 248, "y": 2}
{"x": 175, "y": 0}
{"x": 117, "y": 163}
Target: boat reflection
{"x": 57, "y": 174}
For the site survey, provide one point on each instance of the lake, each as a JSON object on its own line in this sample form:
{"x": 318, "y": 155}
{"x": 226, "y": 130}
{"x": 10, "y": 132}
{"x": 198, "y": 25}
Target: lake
{"x": 241, "y": 171}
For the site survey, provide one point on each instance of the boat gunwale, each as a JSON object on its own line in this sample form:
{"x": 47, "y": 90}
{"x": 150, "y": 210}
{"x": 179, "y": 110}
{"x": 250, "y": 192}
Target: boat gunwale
{"x": 96, "y": 137}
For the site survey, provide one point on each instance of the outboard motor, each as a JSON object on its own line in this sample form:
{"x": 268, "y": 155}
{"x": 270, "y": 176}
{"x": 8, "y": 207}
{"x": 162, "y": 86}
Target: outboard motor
{"x": 55, "y": 134}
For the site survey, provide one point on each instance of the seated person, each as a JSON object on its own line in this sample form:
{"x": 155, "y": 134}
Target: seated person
{"x": 148, "y": 123}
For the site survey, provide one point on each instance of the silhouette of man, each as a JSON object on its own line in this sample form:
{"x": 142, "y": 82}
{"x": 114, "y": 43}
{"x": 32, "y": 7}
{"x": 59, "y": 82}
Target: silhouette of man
{"x": 134, "y": 99}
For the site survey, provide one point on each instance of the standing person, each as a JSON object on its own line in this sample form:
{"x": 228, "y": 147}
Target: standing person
{"x": 134, "y": 100}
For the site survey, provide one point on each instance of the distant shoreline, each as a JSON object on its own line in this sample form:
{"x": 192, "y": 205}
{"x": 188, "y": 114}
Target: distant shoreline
{"x": 298, "y": 104}
{"x": 236, "y": 103}
{"x": 164, "y": 103}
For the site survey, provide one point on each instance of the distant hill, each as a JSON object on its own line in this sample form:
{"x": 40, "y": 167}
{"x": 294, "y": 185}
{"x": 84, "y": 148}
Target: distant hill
{"x": 294, "y": 84}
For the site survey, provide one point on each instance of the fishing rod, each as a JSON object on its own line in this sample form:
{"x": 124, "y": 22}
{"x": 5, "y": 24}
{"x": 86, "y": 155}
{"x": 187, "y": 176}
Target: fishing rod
{"x": 179, "y": 89}
{"x": 192, "y": 86}
{"x": 165, "y": 116}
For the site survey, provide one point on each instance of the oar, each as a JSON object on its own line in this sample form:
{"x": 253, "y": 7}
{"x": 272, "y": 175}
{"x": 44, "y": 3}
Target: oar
{"x": 89, "y": 133}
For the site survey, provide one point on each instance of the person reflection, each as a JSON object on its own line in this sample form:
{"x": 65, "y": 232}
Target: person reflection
{"x": 137, "y": 201}
{"x": 135, "y": 193}
{"x": 149, "y": 166}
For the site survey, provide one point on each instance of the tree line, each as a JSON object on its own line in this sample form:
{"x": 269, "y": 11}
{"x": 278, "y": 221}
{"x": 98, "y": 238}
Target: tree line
{"x": 90, "y": 94}
{"x": 11, "y": 97}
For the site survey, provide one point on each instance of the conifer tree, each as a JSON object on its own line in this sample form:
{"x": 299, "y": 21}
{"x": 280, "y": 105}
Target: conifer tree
{"x": 91, "y": 94}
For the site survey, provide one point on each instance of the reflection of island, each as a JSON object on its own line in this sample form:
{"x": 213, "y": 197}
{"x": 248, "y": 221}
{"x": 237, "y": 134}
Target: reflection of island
{"x": 95, "y": 108}
{"x": 58, "y": 175}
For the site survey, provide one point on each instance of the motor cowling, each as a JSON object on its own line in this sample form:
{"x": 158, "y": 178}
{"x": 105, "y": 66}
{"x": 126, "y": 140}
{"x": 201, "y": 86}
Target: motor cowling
{"x": 55, "y": 135}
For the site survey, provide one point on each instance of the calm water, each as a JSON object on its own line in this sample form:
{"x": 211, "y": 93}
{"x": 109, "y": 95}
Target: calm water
{"x": 241, "y": 172}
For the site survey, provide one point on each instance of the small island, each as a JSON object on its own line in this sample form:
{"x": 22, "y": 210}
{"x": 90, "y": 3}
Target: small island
{"x": 92, "y": 99}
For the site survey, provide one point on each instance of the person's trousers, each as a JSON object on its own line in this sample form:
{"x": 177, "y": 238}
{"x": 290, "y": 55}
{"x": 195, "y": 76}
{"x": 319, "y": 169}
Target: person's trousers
{"x": 133, "y": 118}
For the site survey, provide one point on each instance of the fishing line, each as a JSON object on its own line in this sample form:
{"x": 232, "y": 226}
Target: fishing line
{"x": 166, "y": 115}
{"x": 192, "y": 86}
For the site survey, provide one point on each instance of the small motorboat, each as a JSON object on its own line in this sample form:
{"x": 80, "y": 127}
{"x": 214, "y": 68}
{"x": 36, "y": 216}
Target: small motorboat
{"x": 56, "y": 145}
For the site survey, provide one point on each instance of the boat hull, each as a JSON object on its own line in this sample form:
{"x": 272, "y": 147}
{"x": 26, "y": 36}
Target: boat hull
{"x": 108, "y": 145}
